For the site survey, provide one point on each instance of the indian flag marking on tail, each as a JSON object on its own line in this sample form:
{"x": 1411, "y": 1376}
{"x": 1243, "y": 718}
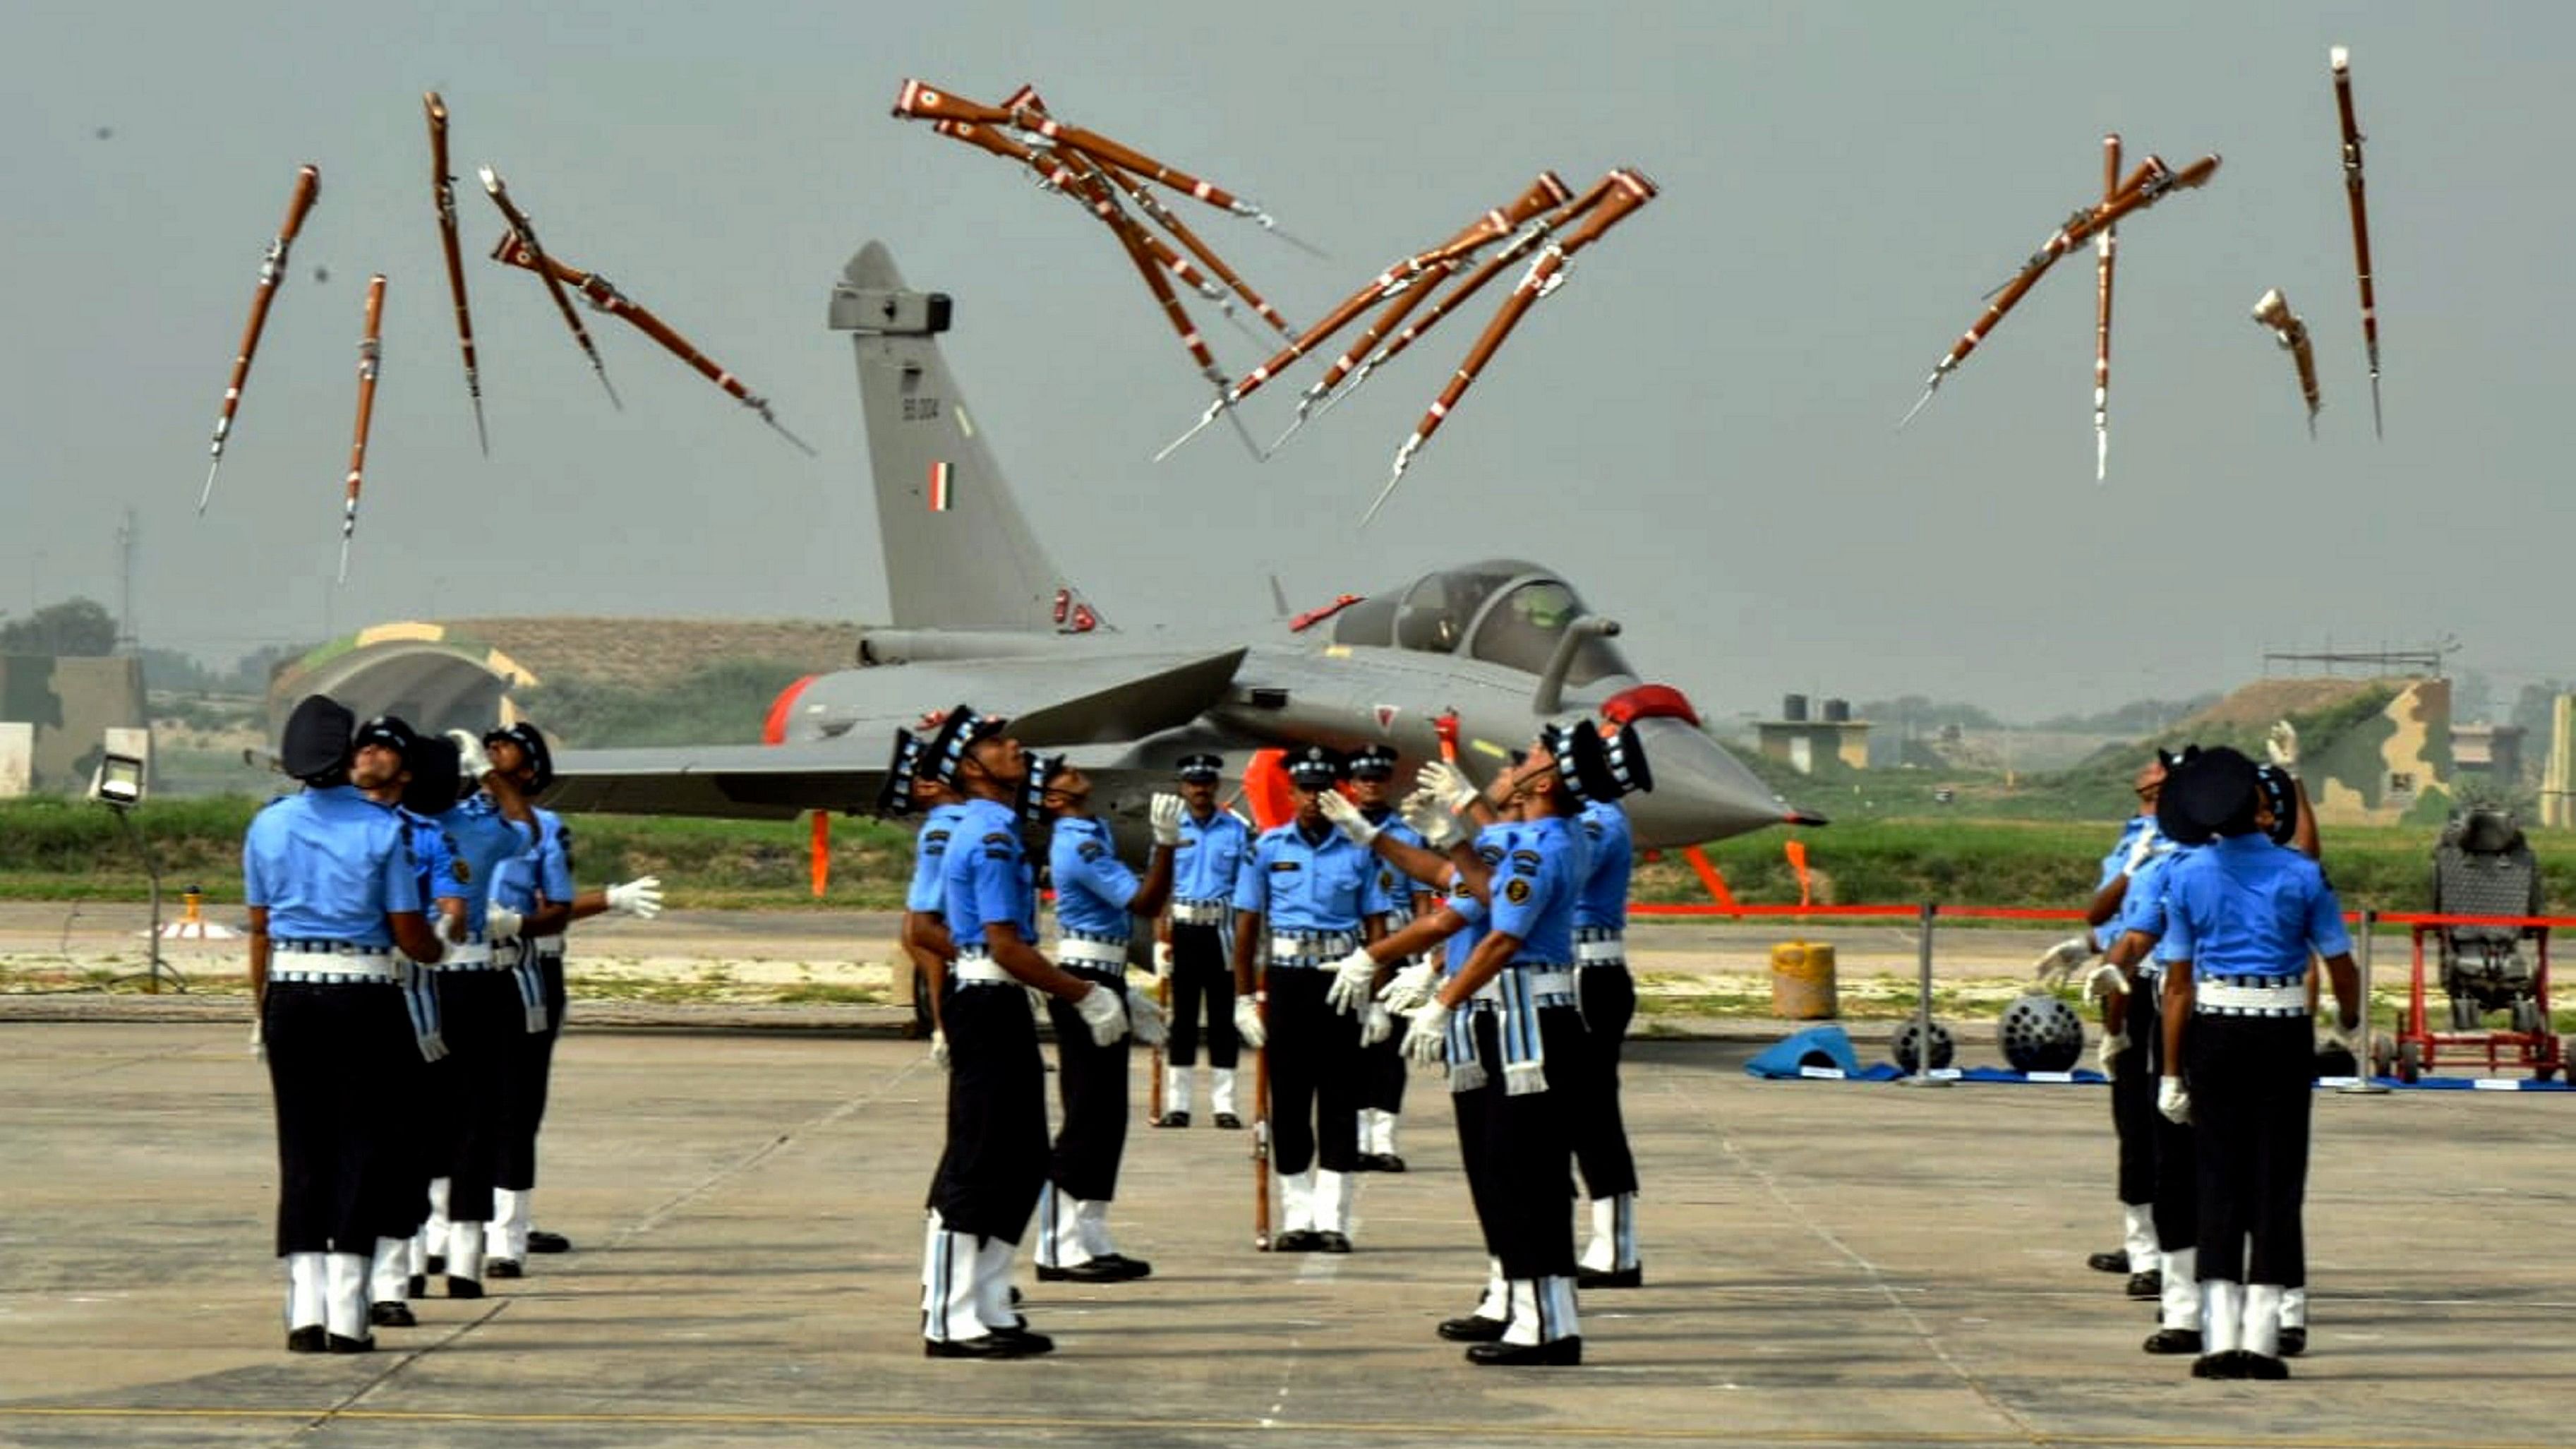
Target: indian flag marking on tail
{"x": 943, "y": 493}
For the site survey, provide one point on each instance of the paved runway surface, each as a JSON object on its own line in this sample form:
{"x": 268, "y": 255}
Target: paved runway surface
{"x": 1826, "y": 1264}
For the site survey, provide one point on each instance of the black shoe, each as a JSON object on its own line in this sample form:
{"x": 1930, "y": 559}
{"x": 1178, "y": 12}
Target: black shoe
{"x": 2108, "y": 1262}
{"x": 503, "y": 1268}
{"x": 1610, "y": 1277}
{"x": 1226, "y": 1120}
{"x": 391, "y": 1315}
{"x": 1389, "y": 1162}
{"x": 1474, "y": 1328}
{"x": 990, "y": 1345}
{"x": 1132, "y": 1267}
{"x": 2174, "y": 1340}
{"x": 437, "y": 1264}
{"x": 1015, "y": 1295}
{"x": 2256, "y": 1366}
{"x": 336, "y": 1344}
{"x": 1366, "y": 1162}
{"x": 2149, "y": 1284}
{"x": 2228, "y": 1365}
{"x": 1554, "y": 1353}
{"x": 2294, "y": 1341}
{"x": 418, "y": 1287}
{"x": 463, "y": 1287}
{"x": 541, "y": 1241}
{"x": 1093, "y": 1270}
{"x": 1030, "y": 1340}
{"x": 308, "y": 1339}
{"x": 1173, "y": 1119}
{"x": 1331, "y": 1242}
{"x": 1297, "y": 1240}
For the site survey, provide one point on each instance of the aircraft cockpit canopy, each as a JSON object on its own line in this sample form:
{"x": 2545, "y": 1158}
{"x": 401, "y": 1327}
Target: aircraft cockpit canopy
{"x": 1507, "y": 612}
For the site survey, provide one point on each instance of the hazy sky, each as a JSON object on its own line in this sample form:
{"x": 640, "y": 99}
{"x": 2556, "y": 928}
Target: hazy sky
{"x": 1698, "y": 428}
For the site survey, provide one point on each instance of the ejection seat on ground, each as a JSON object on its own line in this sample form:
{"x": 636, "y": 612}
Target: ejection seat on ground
{"x": 2483, "y": 867}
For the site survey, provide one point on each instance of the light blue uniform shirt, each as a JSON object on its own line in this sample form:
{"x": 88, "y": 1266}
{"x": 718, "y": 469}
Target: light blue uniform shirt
{"x": 1092, "y": 885}
{"x": 1395, "y": 885}
{"x": 1304, "y": 886}
{"x": 2244, "y": 906}
{"x": 546, "y": 871}
{"x": 2109, "y": 931}
{"x": 1468, "y": 907}
{"x": 1602, "y": 904}
{"x": 1535, "y": 888}
{"x": 985, "y": 875}
{"x": 939, "y": 829}
{"x": 1210, "y": 856}
{"x": 327, "y": 865}
{"x": 484, "y": 840}
{"x": 431, "y": 854}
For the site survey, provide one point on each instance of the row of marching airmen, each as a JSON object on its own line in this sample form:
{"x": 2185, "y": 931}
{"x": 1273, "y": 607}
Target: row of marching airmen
{"x": 1300, "y": 944}
{"x": 2208, "y": 914}
{"x": 407, "y": 910}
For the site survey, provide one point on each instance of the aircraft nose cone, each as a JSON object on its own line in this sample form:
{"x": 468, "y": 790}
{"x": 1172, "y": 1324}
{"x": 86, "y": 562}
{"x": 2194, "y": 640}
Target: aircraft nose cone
{"x": 1701, "y": 792}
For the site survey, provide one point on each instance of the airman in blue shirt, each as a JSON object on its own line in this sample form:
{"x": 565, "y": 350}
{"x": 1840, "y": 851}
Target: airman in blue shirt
{"x": 1381, "y": 1047}
{"x": 1195, "y": 955}
{"x": 1607, "y": 996}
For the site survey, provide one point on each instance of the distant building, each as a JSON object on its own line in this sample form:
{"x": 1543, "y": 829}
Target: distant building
{"x": 1800, "y": 742}
{"x": 2493, "y": 750}
{"x": 55, "y": 712}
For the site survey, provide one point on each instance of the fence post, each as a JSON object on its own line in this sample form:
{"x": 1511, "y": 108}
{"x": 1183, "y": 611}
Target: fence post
{"x": 1922, "y": 1074}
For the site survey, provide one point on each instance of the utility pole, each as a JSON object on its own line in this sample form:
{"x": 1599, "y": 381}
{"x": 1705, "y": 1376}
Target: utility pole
{"x": 129, "y": 541}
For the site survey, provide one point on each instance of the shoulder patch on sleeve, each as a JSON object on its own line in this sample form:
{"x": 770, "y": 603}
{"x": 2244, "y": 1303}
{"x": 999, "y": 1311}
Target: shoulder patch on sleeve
{"x": 1517, "y": 891}
{"x": 1090, "y": 850}
{"x": 1525, "y": 862}
{"x": 1001, "y": 837}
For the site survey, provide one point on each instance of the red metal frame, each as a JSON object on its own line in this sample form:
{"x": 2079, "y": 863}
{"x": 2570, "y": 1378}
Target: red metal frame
{"x": 2540, "y": 1051}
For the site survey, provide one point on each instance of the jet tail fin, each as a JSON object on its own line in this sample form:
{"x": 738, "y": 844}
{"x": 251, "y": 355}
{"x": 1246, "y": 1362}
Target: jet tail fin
{"x": 958, "y": 553}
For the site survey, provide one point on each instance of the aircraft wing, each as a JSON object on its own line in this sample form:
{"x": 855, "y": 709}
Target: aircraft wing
{"x": 1053, "y": 704}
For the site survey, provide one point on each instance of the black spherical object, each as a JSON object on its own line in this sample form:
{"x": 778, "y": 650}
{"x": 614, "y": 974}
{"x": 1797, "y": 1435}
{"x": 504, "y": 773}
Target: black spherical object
{"x": 1907, "y": 1048}
{"x": 2042, "y": 1034}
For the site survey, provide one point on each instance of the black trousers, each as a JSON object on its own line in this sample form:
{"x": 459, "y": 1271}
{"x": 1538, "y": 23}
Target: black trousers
{"x": 1609, "y": 1001}
{"x": 1475, "y": 1161}
{"x": 530, "y": 1064}
{"x": 1091, "y": 1087}
{"x": 411, "y": 1145}
{"x": 1201, "y": 973}
{"x": 2176, "y": 1184}
{"x": 1382, "y": 1071}
{"x": 1314, "y": 1074}
{"x": 337, "y": 1170}
{"x": 484, "y": 1023}
{"x": 1527, "y": 1212}
{"x": 995, "y": 1160}
{"x": 2250, "y": 1092}
{"x": 2133, "y": 1106}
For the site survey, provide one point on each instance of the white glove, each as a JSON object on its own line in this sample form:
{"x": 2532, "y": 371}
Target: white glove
{"x": 1247, "y": 1021}
{"x": 2281, "y": 745}
{"x": 1377, "y": 1026}
{"x": 500, "y": 923}
{"x": 2106, "y": 982}
{"x": 939, "y": 1048}
{"x": 1427, "y": 1040}
{"x": 1165, "y": 813}
{"x": 1162, "y": 960}
{"x": 433, "y": 1045}
{"x": 1102, "y": 1010}
{"x": 2173, "y": 1101}
{"x": 469, "y": 754}
{"x": 1449, "y": 785}
{"x": 1347, "y": 818}
{"x": 2057, "y": 965}
{"x": 2340, "y": 1037}
{"x": 1145, "y": 1018}
{"x": 2109, "y": 1050}
{"x": 1433, "y": 821}
{"x": 1354, "y": 978}
{"x": 1411, "y": 987}
{"x": 640, "y": 897}
{"x": 258, "y": 1039}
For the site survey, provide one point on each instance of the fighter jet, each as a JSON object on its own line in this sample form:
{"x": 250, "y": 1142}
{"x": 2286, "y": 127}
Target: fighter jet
{"x": 1471, "y": 659}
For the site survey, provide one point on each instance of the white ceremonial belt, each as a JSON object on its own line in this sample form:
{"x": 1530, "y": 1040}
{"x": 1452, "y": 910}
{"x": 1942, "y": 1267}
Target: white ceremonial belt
{"x": 1075, "y": 951}
{"x": 467, "y": 956}
{"x": 2288, "y": 998}
{"x": 1610, "y": 952}
{"x": 322, "y": 968}
{"x": 978, "y": 970}
{"x": 1198, "y": 913}
{"x": 1548, "y": 982}
{"x": 550, "y": 945}
{"x": 1310, "y": 948}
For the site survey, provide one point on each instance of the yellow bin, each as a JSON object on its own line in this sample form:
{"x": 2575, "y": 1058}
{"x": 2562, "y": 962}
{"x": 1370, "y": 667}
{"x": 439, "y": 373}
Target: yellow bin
{"x": 1802, "y": 981}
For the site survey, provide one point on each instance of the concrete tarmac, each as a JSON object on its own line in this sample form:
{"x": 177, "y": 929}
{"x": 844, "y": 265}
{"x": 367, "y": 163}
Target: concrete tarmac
{"x": 1826, "y": 1264}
